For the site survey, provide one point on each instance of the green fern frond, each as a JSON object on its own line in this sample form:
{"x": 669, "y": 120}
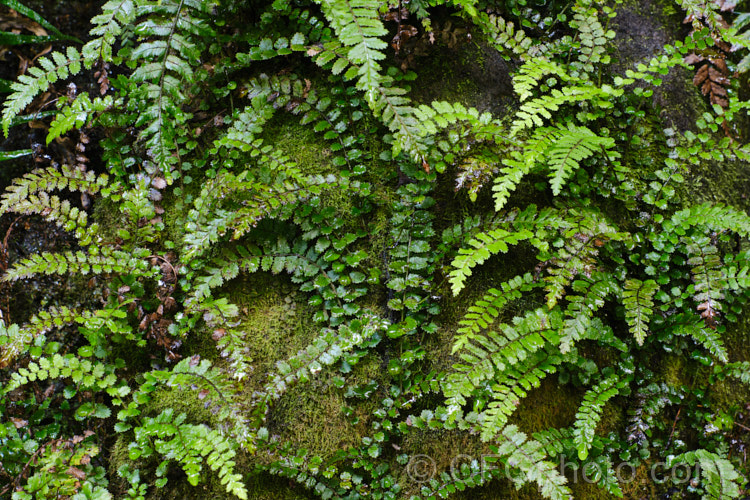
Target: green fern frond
{"x": 590, "y": 412}
{"x": 483, "y": 246}
{"x": 176, "y": 31}
{"x": 531, "y": 73}
{"x": 39, "y": 78}
{"x": 78, "y": 113}
{"x": 693, "y": 326}
{"x": 738, "y": 370}
{"x": 583, "y": 233}
{"x": 16, "y": 341}
{"x": 713, "y": 217}
{"x": 357, "y": 25}
{"x": 529, "y": 457}
{"x": 116, "y": 16}
{"x": 85, "y": 373}
{"x": 569, "y": 147}
{"x": 49, "y": 179}
{"x": 707, "y": 276}
{"x": 485, "y": 310}
{"x": 506, "y": 355}
{"x": 533, "y": 111}
{"x": 637, "y": 297}
{"x": 587, "y": 298}
{"x": 189, "y": 445}
{"x": 115, "y": 261}
{"x": 718, "y": 477}
{"x": 591, "y": 36}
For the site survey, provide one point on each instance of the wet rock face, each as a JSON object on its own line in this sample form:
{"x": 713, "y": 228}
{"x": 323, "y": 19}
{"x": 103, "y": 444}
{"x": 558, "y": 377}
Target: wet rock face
{"x": 642, "y": 29}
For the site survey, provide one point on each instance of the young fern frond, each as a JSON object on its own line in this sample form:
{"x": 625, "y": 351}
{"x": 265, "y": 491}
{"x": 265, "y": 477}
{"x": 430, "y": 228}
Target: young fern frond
{"x": 590, "y": 413}
{"x": 637, "y": 297}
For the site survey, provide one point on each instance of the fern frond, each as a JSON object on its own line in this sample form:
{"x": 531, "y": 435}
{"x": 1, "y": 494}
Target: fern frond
{"x": 189, "y": 445}
{"x": 39, "y": 78}
{"x": 695, "y": 327}
{"x": 531, "y": 73}
{"x": 739, "y": 370}
{"x": 78, "y": 113}
{"x": 164, "y": 69}
{"x": 50, "y": 179}
{"x": 529, "y": 456}
{"x": 15, "y": 342}
{"x": 637, "y": 297}
{"x": 483, "y": 246}
{"x": 533, "y": 111}
{"x": 590, "y": 412}
{"x": 326, "y": 349}
{"x": 708, "y": 278}
{"x": 719, "y": 479}
{"x": 85, "y": 373}
{"x": 507, "y": 356}
{"x": 713, "y": 217}
{"x": 583, "y": 232}
{"x": 591, "y": 35}
{"x": 587, "y": 298}
{"x": 571, "y": 146}
{"x": 358, "y": 27}
{"x": 485, "y": 310}
{"x": 79, "y": 262}
{"x": 108, "y": 26}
